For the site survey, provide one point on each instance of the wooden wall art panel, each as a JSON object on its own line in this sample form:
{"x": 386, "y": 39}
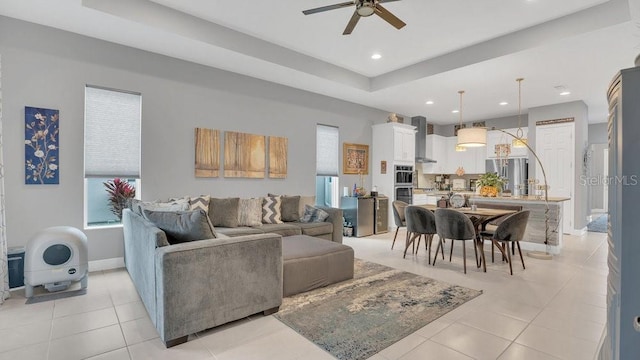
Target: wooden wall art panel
{"x": 244, "y": 155}
{"x": 278, "y": 157}
{"x": 207, "y": 153}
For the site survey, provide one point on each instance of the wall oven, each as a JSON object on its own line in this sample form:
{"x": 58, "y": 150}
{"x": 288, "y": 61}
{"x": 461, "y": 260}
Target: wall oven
{"x": 404, "y": 193}
{"x": 404, "y": 175}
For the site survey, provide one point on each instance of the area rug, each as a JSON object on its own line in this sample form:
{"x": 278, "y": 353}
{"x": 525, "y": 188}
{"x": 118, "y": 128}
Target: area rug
{"x": 355, "y": 319}
{"x": 599, "y": 224}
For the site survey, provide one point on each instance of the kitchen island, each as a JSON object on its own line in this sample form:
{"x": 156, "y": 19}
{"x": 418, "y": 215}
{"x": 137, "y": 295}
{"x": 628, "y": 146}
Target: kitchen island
{"x": 535, "y": 234}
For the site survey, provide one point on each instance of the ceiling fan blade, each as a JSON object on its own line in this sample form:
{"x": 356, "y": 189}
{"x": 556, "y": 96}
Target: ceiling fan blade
{"x": 352, "y": 23}
{"x": 328, "y": 7}
{"x": 389, "y": 17}
{"x": 384, "y": 1}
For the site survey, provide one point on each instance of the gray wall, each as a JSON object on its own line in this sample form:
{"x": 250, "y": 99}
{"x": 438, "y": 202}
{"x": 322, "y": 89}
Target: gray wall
{"x": 598, "y": 133}
{"x": 48, "y": 68}
{"x": 577, "y": 110}
{"x": 598, "y": 141}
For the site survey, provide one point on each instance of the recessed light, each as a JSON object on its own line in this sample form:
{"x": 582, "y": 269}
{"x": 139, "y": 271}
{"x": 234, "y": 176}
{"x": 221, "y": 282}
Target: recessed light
{"x": 504, "y": 103}
{"x": 455, "y": 111}
{"x": 429, "y": 102}
{"x": 565, "y": 93}
{"x": 376, "y": 56}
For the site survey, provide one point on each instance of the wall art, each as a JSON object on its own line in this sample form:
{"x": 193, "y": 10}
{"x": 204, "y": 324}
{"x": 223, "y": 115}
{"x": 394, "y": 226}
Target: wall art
{"x": 355, "y": 159}
{"x": 41, "y": 146}
{"x": 244, "y": 155}
{"x": 278, "y": 147}
{"x": 207, "y": 162}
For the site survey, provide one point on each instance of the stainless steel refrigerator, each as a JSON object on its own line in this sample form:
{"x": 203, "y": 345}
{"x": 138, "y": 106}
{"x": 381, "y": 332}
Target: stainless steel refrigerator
{"x": 359, "y": 211}
{"x": 515, "y": 171}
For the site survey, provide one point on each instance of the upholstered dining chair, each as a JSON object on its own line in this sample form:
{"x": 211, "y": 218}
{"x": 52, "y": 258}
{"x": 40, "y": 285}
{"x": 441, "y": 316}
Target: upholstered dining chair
{"x": 420, "y": 223}
{"x": 510, "y": 231}
{"x": 398, "y": 216}
{"x": 454, "y": 225}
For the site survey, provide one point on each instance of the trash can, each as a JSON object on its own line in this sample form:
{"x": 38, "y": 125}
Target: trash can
{"x": 15, "y": 257}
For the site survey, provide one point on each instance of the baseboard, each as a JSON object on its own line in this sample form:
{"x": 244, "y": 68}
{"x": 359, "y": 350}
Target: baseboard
{"x": 106, "y": 264}
{"x": 578, "y": 232}
{"x": 528, "y": 246}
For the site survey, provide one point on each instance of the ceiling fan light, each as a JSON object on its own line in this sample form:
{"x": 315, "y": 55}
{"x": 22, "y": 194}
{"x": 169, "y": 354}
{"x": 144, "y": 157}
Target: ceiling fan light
{"x": 365, "y": 8}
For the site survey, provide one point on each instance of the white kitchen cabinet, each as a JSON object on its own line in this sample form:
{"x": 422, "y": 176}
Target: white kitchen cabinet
{"x": 436, "y": 150}
{"x": 419, "y": 199}
{"x": 404, "y": 144}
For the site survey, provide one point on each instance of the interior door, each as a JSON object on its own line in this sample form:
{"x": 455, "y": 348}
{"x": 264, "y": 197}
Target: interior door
{"x": 556, "y": 149}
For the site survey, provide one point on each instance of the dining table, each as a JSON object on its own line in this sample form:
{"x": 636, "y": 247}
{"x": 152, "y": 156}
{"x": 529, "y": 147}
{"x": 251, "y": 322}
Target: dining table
{"x": 480, "y": 217}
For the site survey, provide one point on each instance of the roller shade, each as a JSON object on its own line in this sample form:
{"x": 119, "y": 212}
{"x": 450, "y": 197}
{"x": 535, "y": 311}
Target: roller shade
{"x": 112, "y": 133}
{"x": 327, "y": 150}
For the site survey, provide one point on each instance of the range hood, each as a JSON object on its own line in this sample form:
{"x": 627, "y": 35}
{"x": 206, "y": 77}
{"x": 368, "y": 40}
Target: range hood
{"x": 420, "y": 122}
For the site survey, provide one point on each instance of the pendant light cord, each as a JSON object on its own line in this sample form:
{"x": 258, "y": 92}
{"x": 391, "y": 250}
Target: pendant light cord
{"x": 519, "y": 132}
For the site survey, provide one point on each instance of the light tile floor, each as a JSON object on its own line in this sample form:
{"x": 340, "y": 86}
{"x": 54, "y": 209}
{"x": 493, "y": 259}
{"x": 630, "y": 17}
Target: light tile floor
{"x": 552, "y": 310}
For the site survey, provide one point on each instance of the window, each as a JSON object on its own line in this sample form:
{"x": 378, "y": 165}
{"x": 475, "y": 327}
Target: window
{"x": 327, "y": 163}
{"x": 111, "y": 148}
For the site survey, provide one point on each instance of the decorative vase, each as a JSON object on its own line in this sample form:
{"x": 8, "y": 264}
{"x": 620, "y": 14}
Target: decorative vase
{"x": 489, "y": 191}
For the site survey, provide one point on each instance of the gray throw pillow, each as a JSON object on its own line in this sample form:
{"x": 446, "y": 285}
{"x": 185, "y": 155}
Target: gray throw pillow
{"x": 182, "y": 226}
{"x": 313, "y": 214}
{"x": 289, "y": 207}
{"x": 224, "y": 212}
{"x": 250, "y": 212}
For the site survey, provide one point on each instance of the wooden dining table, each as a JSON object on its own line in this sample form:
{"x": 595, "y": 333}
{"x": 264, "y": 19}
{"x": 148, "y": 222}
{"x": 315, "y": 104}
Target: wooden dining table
{"x": 480, "y": 218}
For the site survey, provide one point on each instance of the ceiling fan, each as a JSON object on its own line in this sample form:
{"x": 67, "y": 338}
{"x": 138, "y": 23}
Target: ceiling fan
{"x": 364, "y": 8}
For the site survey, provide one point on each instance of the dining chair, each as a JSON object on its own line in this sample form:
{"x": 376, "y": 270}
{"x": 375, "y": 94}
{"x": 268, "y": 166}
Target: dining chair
{"x": 510, "y": 231}
{"x": 493, "y": 224}
{"x": 420, "y": 223}
{"x": 398, "y": 216}
{"x": 454, "y": 225}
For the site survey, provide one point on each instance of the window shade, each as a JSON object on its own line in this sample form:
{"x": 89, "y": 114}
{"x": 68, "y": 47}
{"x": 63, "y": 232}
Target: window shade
{"x": 327, "y": 150}
{"x": 112, "y": 133}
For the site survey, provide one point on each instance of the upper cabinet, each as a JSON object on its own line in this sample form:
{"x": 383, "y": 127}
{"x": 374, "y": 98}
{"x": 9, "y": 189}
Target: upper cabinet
{"x": 495, "y": 137}
{"x": 443, "y": 150}
{"x": 404, "y": 144}
{"x": 436, "y": 150}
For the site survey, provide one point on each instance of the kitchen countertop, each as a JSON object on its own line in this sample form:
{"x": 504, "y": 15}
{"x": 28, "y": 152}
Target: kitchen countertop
{"x": 553, "y": 199}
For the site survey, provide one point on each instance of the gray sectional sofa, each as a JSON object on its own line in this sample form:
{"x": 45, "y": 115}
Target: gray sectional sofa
{"x": 196, "y": 285}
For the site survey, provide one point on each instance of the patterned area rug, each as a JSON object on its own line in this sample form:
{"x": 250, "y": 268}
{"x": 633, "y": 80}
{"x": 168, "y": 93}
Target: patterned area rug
{"x": 355, "y": 319}
{"x": 599, "y": 224}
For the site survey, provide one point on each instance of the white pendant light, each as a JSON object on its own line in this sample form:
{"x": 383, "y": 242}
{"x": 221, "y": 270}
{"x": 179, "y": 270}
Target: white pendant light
{"x": 473, "y": 136}
{"x": 520, "y": 141}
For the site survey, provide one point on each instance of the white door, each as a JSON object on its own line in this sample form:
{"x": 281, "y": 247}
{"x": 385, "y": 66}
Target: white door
{"x": 556, "y": 149}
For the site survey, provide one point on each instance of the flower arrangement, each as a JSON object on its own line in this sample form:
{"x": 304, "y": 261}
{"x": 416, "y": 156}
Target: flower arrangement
{"x": 119, "y": 191}
{"x": 490, "y": 184}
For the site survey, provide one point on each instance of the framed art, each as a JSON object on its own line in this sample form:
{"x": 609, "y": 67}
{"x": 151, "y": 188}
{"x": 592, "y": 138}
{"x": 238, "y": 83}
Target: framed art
{"x": 207, "y": 153}
{"x": 41, "y": 146}
{"x": 355, "y": 159}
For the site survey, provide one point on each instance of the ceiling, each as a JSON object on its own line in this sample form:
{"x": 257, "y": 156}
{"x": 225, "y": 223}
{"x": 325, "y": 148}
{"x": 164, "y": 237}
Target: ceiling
{"x": 448, "y": 45}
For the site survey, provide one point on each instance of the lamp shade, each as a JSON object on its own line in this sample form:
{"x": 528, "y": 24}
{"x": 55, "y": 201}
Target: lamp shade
{"x": 472, "y": 137}
{"x": 519, "y": 143}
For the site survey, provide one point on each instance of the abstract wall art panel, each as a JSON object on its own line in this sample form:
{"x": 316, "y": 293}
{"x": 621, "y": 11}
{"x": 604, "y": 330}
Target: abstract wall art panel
{"x": 207, "y": 162}
{"x": 278, "y": 157}
{"x": 244, "y": 155}
{"x": 41, "y": 146}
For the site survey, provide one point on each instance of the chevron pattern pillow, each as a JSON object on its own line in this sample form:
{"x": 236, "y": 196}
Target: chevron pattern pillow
{"x": 200, "y": 202}
{"x": 271, "y": 210}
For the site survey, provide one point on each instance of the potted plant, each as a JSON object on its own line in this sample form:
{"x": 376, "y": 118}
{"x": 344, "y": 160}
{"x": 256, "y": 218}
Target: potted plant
{"x": 490, "y": 184}
{"x": 119, "y": 191}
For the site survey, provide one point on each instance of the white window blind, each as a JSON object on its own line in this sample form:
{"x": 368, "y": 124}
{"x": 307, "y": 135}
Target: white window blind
{"x": 327, "y": 150}
{"x": 112, "y": 133}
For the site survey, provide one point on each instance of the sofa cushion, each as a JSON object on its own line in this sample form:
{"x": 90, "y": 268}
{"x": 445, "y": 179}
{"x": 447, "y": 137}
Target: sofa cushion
{"x": 238, "y": 231}
{"x": 182, "y": 226}
{"x": 283, "y": 229}
{"x": 250, "y": 212}
{"x": 224, "y": 212}
{"x": 138, "y": 206}
{"x": 305, "y": 200}
{"x": 316, "y": 229}
{"x": 271, "y": 210}
{"x": 313, "y": 214}
{"x": 200, "y": 202}
{"x": 289, "y": 208}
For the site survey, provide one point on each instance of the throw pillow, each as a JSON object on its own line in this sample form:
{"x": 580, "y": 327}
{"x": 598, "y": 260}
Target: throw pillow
{"x": 304, "y": 201}
{"x": 250, "y": 212}
{"x": 289, "y": 208}
{"x": 271, "y": 210}
{"x": 200, "y": 202}
{"x": 224, "y": 212}
{"x": 182, "y": 226}
{"x": 138, "y": 206}
{"x": 313, "y": 214}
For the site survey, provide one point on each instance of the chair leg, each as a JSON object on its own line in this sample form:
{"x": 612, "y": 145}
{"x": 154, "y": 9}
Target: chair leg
{"x": 409, "y": 242}
{"x": 451, "y": 252}
{"x": 418, "y": 245}
{"x": 394, "y": 237}
{"x": 493, "y": 247}
{"x": 475, "y": 251}
{"x": 429, "y": 240}
{"x": 509, "y": 254}
{"x": 464, "y": 255}
{"x": 513, "y": 248}
{"x": 520, "y": 251}
{"x": 440, "y": 247}
{"x": 482, "y": 259}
